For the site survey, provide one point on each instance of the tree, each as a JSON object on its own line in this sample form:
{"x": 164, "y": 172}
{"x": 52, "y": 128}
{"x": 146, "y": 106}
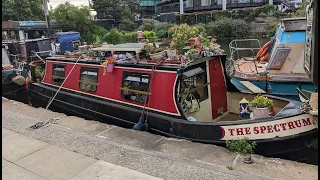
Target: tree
{"x": 22, "y": 10}
{"x": 77, "y": 18}
{"x": 115, "y": 9}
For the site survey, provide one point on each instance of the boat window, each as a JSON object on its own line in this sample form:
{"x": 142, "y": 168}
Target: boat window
{"x": 58, "y": 73}
{"x": 135, "y": 86}
{"x": 195, "y": 81}
{"x": 88, "y": 79}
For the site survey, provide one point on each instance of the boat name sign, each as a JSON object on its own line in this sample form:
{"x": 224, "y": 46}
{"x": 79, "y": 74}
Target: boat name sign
{"x": 271, "y": 129}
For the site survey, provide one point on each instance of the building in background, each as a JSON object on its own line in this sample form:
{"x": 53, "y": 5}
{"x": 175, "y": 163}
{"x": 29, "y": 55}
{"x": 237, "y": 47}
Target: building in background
{"x": 167, "y": 6}
{"x": 148, "y": 8}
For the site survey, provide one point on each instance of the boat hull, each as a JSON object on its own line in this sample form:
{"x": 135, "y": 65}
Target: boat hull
{"x": 295, "y": 147}
{"x": 15, "y": 92}
{"x": 280, "y": 89}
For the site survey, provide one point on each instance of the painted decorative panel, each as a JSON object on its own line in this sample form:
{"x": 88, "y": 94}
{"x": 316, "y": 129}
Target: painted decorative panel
{"x": 279, "y": 58}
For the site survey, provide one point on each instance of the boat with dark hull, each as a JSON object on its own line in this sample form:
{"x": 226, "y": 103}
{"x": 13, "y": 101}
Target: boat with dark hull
{"x": 15, "y": 79}
{"x": 174, "y": 99}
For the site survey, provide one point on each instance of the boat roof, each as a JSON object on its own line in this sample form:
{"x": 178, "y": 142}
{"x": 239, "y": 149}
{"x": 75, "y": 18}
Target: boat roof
{"x": 67, "y": 36}
{"x": 294, "y": 19}
{"x": 121, "y": 47}
{"x": 143, "y": 64}
{"x": 66, "y": 33}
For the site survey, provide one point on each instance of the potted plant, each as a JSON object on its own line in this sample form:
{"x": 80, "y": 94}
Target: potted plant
{"x": 172, "y": 54}
{"x": 155, "y": 53}
{"x": 108, "y": 64}
{"x": 261, "y": 106}
{"x": 181, "y": 34}
{"x": 39, "y": 73}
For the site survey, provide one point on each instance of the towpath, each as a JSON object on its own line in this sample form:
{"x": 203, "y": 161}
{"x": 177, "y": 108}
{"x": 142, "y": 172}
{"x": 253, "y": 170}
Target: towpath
{"x": 76, "y": 148}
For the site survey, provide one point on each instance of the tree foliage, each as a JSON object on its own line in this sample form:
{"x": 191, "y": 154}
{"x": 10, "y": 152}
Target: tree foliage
{"x": 301, "y": 11}
{"x": 115, "y": 9}
{"x": 77, "y": 18}
{"x": 22, "y": 10}
{"x": 228, "y": 27}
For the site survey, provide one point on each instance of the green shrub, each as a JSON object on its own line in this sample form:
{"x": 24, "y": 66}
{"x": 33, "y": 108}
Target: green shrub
{"x": 130, "y": 37}
{"x": 257, "y": 11}
{"x": 227, "y": 27}
{"x": 280, "y": 14}
{"x": 241, "y": 28}
{"x": 127, "y": 25}
{"x": 241, "y": 146}
{"x": 150, "y": 35}
{"x": 162, "y": 29}
{"x": 93, "y": 32}
{"x": 148, "y": 24}
{"x": 301, "y": 11}
{"x": 114, "y": 37}
{"x": 201, "y": 28}
{"x": 262, "y": 15}
{"x": 272, "y": 27}
{"x": 269, "y": 9}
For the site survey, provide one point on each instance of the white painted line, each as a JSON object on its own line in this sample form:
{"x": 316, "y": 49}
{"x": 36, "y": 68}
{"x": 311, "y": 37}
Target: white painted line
{"x": 104, "y": 131}
{"x": 158, "y": 140}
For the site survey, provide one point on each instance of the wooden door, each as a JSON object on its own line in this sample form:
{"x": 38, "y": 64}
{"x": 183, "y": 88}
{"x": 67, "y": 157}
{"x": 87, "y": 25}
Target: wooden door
{"x": 218, "y": 89}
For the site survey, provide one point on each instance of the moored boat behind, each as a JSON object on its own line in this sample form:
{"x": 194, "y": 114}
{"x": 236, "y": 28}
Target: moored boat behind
{"x": 277, "y": 69}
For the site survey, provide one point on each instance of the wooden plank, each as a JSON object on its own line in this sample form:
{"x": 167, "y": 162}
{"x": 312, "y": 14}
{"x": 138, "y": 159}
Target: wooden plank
{"x": 252, "y": 87}
{"x": 314, "y": 101}
{"x": 88, "y": 82}
{"x": 135, "y": 91}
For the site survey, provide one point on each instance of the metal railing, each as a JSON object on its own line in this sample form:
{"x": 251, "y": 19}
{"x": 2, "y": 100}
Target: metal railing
{"x": 235, "y": 49}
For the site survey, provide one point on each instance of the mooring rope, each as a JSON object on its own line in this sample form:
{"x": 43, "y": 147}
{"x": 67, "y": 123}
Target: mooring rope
{"x": 48, "y": 121}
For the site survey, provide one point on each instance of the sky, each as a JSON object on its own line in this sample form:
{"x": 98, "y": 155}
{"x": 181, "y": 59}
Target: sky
{"x": 55, "y": 3}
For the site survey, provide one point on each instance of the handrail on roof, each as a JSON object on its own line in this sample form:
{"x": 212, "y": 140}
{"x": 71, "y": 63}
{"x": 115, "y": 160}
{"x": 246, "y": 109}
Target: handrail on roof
{"x": 233, "y": 46}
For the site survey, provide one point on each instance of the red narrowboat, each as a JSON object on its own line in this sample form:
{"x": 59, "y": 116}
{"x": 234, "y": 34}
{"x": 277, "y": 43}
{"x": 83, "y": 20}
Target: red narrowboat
{"x": 173, "y": 99}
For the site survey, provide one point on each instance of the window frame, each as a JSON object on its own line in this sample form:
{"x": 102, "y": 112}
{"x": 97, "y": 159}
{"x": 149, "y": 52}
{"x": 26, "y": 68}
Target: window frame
{"x": 89, "y": 69}
{"x": 126, "y": 74}
{"x": 205, "y": 85}
{"x": 54, "y": 66}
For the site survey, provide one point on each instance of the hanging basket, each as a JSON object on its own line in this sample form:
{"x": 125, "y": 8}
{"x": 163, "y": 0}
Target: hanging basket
{"x": 110, "y": 67}
{"x": 259, "y": 113}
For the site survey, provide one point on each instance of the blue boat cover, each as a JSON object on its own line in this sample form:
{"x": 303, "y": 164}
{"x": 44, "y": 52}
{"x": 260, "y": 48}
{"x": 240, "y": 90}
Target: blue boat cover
{"x": 67, "y": 36}
{"x": 290, "y": 37}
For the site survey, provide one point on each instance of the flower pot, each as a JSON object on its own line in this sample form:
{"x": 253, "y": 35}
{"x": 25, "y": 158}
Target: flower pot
{"x": 259, "y": 113}
{"x": 157, "y": 56}
{"x": 172, "y": 54}
{"x": 110, "y": 67}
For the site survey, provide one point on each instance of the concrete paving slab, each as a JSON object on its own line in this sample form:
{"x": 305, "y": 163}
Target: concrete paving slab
{"x": 21, "y": 108}
{"x": 55, "y": 163}
{"x": 7, "y": 132}
{"x": 173, "y": 158}
{"x": 16, "y": 146}
{"x": 131, "y": 137}
{"x": 102, "y": 170}
{"x": 196, "y": 151}
{"x": 5, "y": 162}
{"x": 82, "y": 125}
{"x": 14, "y": 172}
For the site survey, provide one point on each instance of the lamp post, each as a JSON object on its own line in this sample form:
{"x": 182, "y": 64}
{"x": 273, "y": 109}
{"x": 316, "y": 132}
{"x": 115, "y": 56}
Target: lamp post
{"x": 46, "y": 14}
{"x": 181, "y": 6}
